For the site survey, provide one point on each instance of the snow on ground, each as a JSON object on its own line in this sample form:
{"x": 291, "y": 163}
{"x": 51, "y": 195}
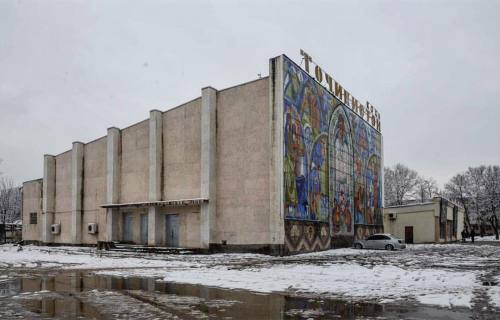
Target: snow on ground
{"x": 444, "y": 275}
{"x": 385, "y": 282}
{"x": 76, "y": 258}
{"x": 485, "y": 238}
{"x": 494, "y": 293}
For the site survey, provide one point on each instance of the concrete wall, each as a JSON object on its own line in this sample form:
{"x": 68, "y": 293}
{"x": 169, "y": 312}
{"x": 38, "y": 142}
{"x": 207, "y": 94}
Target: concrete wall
{"x": 94, "y": 190}
{"x": 32, "y": 202}
{"x": 181, "y": 151}
{"x": 449, "y": 225}
{"x": 134, "y": 183}
{"x": 449, "y": 218}
{"x": 189, "y": 225}
{"x": 64, "y": 219}
{"x": 420, "y": 218}
{"x": 62, "y": 213}
{"x": 243, "y": 160}
{"x": 460, "y": 225}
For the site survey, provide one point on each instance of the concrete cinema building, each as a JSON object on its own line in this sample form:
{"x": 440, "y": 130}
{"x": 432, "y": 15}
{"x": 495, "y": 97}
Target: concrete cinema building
{"x": 283, "y": 164}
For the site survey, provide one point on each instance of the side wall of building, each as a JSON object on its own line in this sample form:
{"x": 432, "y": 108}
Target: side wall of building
{"x": 242, "y": 168}
{"x": 134, "y": 171}
{"x": 449, "y": 225}
{"x": 32, "y": 203}
{"x": 421, "y": 218}
{"x": 62, "y": 214}
{"x": 460, "y": 223}
{"x": 94, "y": 190}
{"x": 181, "y": 151}
{"x": 243, "y": 160}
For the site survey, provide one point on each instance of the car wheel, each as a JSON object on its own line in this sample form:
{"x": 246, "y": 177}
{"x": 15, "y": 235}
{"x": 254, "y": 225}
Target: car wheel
{"x": 389, "y": 247}
{"x": 358, "y": 246}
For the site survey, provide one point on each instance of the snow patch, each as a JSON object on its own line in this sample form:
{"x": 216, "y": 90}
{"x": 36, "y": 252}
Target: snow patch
{"x": 382, "y": 282}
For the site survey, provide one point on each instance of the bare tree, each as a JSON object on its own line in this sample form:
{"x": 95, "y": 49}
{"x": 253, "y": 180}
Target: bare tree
{"x": 478, "y": 190}
{"x": 475, "y": 180}
{"x": 399, "y": 184}
{"x": 426, "y": 188}
{"x": 457, "y": 189}
{"x": 491, "y": 196}
{"x": 10, "y": 201}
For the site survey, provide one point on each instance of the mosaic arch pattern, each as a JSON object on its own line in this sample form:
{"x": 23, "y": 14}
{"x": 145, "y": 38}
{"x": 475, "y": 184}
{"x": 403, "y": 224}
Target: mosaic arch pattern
{"x": 332, "y": 158}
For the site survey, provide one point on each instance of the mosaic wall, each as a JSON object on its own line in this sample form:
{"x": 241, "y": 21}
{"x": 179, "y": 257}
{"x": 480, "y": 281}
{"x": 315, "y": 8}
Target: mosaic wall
{"x": 332, "y": 159}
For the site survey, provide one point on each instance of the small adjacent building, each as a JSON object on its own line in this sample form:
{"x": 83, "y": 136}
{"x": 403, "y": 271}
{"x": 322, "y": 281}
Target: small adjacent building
{"x": 437, "y": 220}
{"x": 283, "y": 164}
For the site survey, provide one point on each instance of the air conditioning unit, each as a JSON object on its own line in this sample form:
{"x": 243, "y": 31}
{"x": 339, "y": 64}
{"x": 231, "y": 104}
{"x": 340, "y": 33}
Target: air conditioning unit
{"x": 92, "y": 228}
{"x": 392, "y": 216}
{"x": 55, "y": 228}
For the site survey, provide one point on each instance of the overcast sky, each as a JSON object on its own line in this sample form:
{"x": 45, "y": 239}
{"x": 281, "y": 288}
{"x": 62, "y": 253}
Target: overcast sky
{"x": 71, "y": 69}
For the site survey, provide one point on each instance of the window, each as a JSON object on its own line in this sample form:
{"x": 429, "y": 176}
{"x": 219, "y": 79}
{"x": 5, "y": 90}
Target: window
{"x": 33, "y": 218}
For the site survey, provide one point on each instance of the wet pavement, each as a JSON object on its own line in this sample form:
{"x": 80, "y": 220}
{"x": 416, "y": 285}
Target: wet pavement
{"x": 83, "y": 295}
{"x": 54, "y": 292}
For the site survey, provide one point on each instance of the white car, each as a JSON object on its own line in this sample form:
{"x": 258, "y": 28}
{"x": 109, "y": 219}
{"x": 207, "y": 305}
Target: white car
{"x": 380, "y": 241}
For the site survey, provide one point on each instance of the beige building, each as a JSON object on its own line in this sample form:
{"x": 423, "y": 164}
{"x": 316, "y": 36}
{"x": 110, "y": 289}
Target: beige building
{"x": 207, "y": 174}
{"x": 438, "y": 220}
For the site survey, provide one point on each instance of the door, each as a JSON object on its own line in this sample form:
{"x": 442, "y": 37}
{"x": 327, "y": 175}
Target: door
{"x": 127, "y": 227}
{"x": 409, "y": 234}
{"x": 144, "y": 228}
{"x": 172, "y": 230}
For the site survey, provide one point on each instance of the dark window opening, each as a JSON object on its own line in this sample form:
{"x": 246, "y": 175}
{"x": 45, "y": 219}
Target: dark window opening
{"x": 33, "y": 218}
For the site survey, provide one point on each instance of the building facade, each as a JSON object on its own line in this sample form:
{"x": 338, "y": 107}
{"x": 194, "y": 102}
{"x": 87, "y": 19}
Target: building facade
{"x": 278, "y": 165}
{"x": 435, "y": 221}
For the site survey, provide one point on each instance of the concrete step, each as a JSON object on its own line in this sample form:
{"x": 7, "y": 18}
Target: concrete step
{"x": 151, "y": 249}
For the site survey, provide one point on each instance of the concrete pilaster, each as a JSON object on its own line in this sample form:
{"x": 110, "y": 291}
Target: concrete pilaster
{"x": 155, "y": 174}
{"x": 49, "y": 196}
{"x": 154, "y": 226}
{"x": 276, "y": 216}
{"x": 155, "y": 154}
{"x": 76, "y": 192}
{"x": 113, "y": 181}
{"x": 208, "y": 165}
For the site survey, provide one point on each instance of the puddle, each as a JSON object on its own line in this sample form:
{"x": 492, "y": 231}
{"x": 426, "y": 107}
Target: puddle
{"x": 83, "y": 295}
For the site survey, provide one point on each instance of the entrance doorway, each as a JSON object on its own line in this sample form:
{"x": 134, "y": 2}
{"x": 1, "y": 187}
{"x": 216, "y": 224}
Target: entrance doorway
{"x": 127, "y": 227}
{"x": 172, "y": 230}
{"x": 144, "y": 228}
{"x": 409, "y": 234}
